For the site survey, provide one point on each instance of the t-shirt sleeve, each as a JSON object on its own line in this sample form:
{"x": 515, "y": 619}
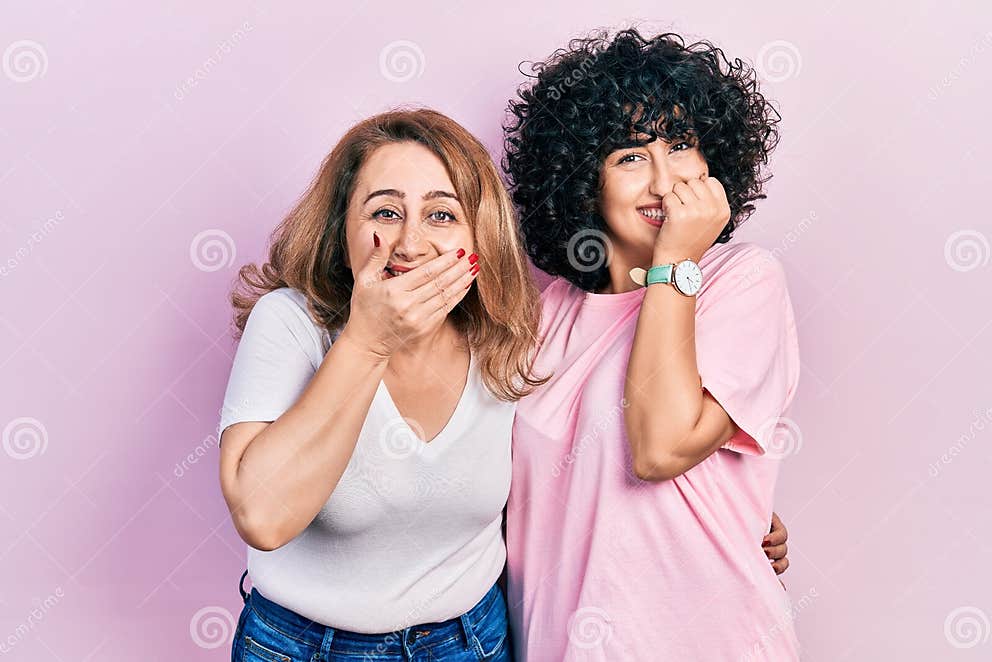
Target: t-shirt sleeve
{"x": 747, "y": 349}
{"x": 273, "y": 363}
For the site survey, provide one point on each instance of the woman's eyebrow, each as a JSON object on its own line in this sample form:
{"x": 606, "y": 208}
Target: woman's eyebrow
{"x": 430, "y": 195}
{"x": 389, "y": 192}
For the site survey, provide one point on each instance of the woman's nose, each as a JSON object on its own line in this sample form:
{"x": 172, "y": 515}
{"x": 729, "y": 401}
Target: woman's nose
{"x": 410, "y": 243}
{"x": 662, "y": 179}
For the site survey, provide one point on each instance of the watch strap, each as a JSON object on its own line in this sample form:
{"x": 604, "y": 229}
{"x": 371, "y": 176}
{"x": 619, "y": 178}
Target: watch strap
{"x": 659, "y": 274}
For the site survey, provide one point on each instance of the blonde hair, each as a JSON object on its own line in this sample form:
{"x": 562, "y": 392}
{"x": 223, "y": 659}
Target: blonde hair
{"x": 500, "y": 314}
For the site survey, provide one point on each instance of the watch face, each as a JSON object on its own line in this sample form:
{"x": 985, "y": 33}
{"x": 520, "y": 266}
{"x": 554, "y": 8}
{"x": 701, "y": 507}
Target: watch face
{"x": 688, "y": 277}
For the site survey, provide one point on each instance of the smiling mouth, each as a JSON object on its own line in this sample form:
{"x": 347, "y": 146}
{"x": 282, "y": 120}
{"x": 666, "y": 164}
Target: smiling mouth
{"x": 653, "y": 215}
{"x": 393, "y": 271}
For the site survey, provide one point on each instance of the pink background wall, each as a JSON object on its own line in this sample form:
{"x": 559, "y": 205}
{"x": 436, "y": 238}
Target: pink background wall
{"x": 146, "y": 151}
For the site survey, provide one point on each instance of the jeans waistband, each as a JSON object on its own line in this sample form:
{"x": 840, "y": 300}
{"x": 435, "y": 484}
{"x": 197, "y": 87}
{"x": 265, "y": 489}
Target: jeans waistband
{"x": 304, "y": 630}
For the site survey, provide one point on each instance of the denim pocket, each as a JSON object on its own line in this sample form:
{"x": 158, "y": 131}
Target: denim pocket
{"x": 263, "y": 643}
{"x": 492, "y": 648}
{"x": 256, "y": 651}
{"x": 492, "y": 632}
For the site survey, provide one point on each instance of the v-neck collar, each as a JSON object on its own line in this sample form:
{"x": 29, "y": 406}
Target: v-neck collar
{"x": 454, "y": 423}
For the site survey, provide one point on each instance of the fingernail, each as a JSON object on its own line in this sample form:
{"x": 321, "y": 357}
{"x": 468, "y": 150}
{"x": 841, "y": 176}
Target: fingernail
{"x": 461, "y": 252}
{"x": 375, "y": 239}
{"x": 473, "y": 258}
{"x": 475, "y": 269}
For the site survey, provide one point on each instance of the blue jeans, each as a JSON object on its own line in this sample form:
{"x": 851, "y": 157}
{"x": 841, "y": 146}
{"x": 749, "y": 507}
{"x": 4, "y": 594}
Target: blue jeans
{"x": 269, "y": 632}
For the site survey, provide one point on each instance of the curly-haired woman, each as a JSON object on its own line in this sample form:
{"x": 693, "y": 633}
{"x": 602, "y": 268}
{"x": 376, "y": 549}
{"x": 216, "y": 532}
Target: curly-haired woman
{"x": 643, "y": 471}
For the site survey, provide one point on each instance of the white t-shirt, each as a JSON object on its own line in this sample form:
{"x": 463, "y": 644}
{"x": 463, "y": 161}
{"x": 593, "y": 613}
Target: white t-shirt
{"x": 412, "y": 533}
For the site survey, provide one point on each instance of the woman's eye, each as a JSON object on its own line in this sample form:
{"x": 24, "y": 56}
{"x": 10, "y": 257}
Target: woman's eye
{"x": 387, "y": 214}
{"x": 683, "y": 143}
{"x": 628, "y": 158}
{"x": 438, "y": 214}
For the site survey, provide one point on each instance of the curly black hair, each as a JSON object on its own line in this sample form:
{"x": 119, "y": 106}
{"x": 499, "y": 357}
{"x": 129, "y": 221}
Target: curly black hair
{"x": 595, "y": 97}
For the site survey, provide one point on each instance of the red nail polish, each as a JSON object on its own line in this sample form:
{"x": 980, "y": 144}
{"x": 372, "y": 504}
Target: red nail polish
{"x": 375, "y": 239}
{"x": 473, "y": 258}
{"x": 461, "y": 252}
{"x": 475, "y": 269}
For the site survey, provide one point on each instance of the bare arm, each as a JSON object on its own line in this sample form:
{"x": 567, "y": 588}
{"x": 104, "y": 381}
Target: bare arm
{"x": 672, "y": 423}
{"x": 277, "y": 476}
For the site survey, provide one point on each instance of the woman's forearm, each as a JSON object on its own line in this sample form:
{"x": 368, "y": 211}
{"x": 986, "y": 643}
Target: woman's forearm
{"x": 662, "y": 380}
{"x": 288, "y": 471}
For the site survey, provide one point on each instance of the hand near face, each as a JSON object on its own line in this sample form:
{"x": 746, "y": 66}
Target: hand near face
{"x": 696, "y": 211}
{"x": 388, "y": 311}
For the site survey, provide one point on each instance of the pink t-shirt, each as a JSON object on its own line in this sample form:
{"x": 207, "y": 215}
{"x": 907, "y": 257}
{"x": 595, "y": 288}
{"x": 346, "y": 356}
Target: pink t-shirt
{"x": 604, "y": 566}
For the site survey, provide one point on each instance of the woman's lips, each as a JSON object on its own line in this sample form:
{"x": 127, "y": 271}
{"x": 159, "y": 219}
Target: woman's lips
{"x": 395, "y": 270}
{"x": 656, "y": 219}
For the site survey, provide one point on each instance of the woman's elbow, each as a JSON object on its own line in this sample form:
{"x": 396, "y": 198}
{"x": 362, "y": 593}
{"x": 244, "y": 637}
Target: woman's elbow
{"x": 258, "y": 532}
{"x": 656, "y": 466}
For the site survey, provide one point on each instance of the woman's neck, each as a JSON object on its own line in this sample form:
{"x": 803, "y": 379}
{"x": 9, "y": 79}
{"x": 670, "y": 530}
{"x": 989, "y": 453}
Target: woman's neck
{"x": 443, "y": 342}
{"x": 619, "y": 269}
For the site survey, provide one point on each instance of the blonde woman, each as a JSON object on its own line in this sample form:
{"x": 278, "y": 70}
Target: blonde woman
{"x": 366, "y": 426}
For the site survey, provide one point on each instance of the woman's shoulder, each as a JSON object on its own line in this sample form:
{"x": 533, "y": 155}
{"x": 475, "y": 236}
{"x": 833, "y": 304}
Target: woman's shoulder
{"x": 288, "y": 298}
{"x": 740, "y": 262}
{"x": 284, "y": 303}
{"x": 559, "y": 289}
{"x": 290, "y": 306}
{"x": 741, "y": 278}
{"x": 733, "y": 254}
{"x": 558, "y": 296}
